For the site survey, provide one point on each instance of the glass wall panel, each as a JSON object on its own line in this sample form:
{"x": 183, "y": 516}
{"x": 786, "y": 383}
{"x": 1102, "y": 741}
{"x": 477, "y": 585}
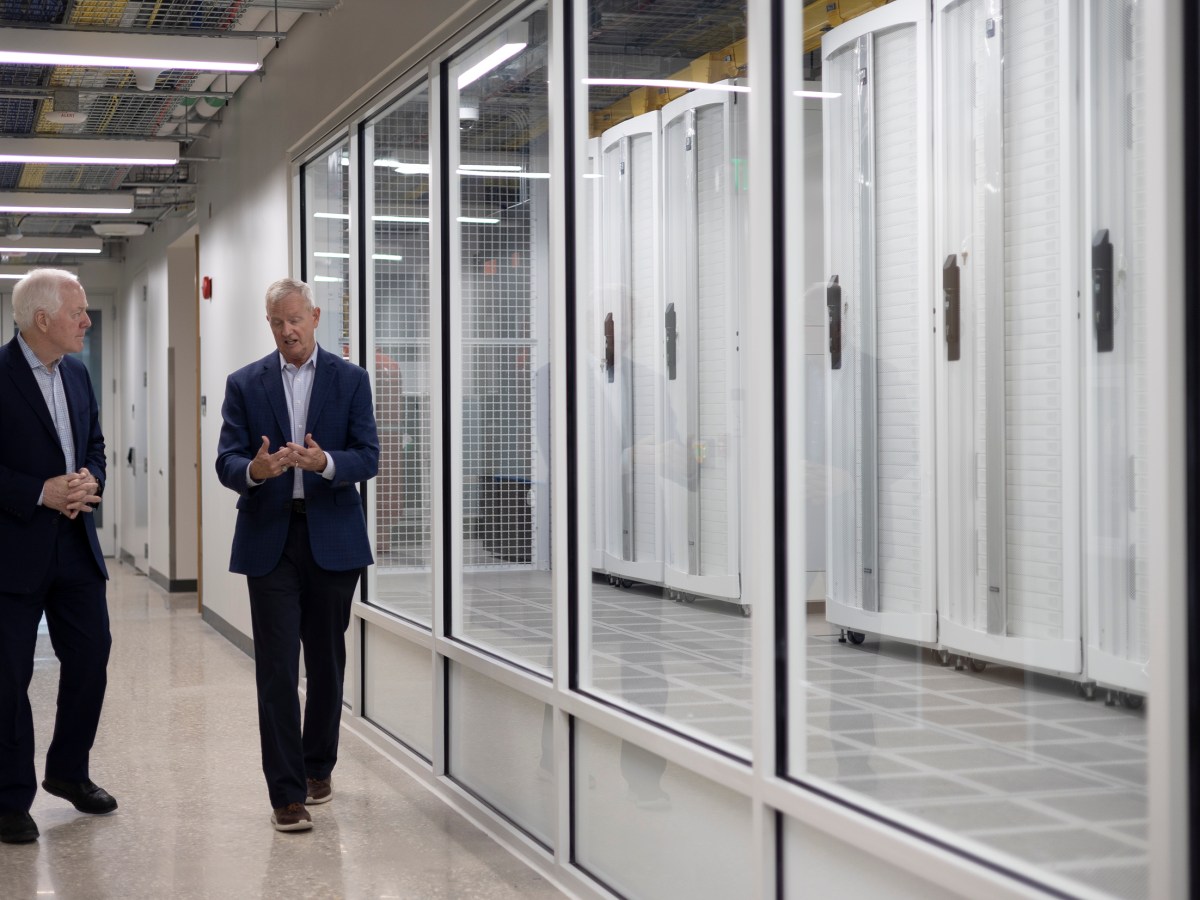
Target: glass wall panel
{"x": 647, "y": 828}
{"x": 501, "y": 747}
{"x": 398, "y": 688}
{"x": 396, "y": 146}
{"x": 498, "y": 154}
{"x": 327, "y": 244}
{"x": 983, "y": 429}
{"x": 665, "y": 188}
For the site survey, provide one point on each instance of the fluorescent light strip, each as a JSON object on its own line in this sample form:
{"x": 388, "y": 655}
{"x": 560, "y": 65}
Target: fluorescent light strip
{"x": 387, "y": 257}
{"x": 324, "y": 254}
{"x": 345, "y": 216}
{"x": 326, "y": 278}
{"x": 30, "y": 202}
{"x": 481, "y": 167}
{"x": 817, "y": 95}
{"x": 82, "y": 152}
{"x": 471, "y": 220}
{"x": 51, "y": 245}
{"x": 668, "y": 83}
{"x": 417, "y": 219}
{"x": 30, "y": 46}
{"x": 492, "y": 174}
{"x": 489, "y": 62}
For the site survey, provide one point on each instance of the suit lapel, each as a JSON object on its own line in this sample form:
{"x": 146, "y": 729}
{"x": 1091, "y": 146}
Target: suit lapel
{"x": 272, "y": 380}
{"x": 326, "y": 371}
{"x": 27, "y": 386}
{"x": 78, "y": 406}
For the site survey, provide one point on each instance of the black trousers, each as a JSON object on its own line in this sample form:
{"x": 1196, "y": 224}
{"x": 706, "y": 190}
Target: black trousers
{"x": 76, "y": 609}
{"x": 299, "y": 604}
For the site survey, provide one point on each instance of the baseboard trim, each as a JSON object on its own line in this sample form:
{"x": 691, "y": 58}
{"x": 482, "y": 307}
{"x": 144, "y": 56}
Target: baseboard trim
{"x": 227, "y": 631}
{"x": 173, "y": 585}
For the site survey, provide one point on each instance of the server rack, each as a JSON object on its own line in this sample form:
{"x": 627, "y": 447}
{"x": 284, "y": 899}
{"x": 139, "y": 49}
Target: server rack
{"x": 630, "y": 407}
{"x": 1008, "y": 368}
{"x": 1117, "y": 643}
{"x": 703, "y": 136}
{"x": 879, "y": 388}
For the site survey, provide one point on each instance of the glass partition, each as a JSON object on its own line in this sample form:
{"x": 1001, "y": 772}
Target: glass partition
{"x": 983, "y": 423}
{"x": 326, "y": 181}
{"x": 397, "y": 176}
{"x": 666, "y": 629}
{"x": 498, "y": 161}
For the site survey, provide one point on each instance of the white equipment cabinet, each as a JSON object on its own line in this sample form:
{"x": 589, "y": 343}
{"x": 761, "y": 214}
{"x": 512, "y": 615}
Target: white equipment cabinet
{"x": 599, "y": 351}
{"x": 880, "y": 393}
{"x": 630, "y": 464}
{"x": 1009, "y": 329}
{"x": 1117, "y": 642}
{"x": 703, "y": 155}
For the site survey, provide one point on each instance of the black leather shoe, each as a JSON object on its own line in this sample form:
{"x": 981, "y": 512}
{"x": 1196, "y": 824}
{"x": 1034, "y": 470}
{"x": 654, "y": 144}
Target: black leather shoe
{"x": 17, "y": 828}
{"x": 85, "y": 796}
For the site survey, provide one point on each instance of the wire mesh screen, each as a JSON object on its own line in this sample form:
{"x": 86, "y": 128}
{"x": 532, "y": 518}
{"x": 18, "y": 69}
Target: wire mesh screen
{"x": 500, "y": 124}
{"x": 327, "y": 257}
{"x": 397, "y": 146}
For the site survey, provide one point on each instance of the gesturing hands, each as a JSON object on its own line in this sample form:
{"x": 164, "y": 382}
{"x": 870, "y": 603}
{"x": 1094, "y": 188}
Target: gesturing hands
{"x": 266, "y": 464}
{"x": 72, "y": 493}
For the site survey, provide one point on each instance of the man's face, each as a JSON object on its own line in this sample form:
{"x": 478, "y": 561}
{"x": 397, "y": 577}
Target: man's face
{"x": 294, "y": 326}
{"x": 65, "y": 329}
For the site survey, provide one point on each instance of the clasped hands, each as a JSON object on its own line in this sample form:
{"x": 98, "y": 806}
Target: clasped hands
{"x": 291, "y": 455}
{"x": 72, "y": 493}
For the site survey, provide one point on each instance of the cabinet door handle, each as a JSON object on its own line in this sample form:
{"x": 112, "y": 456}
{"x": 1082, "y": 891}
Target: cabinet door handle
{"x": 833, "y": 306}
{"x": 610, "y": 353}
{"x": 1102, "y": 290}
{"x": 950, "y": 307}
{"x": 672, "y": 334}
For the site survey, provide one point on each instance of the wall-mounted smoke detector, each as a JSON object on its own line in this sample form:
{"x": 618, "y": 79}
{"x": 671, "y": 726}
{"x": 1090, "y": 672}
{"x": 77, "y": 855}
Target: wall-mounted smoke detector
{"x": 119, "y": 229}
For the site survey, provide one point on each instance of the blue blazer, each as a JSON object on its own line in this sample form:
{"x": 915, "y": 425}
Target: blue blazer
{"x": 29, "y": 454}
{"x": 341, "y": 420}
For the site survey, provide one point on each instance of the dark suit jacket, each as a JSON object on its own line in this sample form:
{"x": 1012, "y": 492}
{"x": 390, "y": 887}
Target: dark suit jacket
{"x": 29, "y": 454}
{"x": 342, "y": 421}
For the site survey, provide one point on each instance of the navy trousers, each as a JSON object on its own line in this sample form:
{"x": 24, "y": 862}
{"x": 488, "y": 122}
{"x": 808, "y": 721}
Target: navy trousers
{"x": 73, "y": 599}
{"x": 299, "y": 604}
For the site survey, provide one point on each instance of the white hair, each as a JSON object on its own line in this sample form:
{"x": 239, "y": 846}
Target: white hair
{"x": 284, "y": 288}
{"x": 40, "y": 289}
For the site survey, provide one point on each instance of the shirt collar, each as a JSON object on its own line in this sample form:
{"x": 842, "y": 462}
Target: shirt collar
{"x": 34, "y": 362}
{"x": 311, "y": 362}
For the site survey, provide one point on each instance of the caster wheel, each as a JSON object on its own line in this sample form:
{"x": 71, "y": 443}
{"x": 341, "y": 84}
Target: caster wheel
{"x": 626, "y": 583}
{"x": 688, "y": 598}
{"x": 1085, "y": 690}
{"x": 745, "y": 610}
{"x": 856, "y": 637}
{"x": 1133, "y": 701}
{"x": 960, "y": 664}
{"x": 943, "y": 657}
{"x": 1110, "y": 698}
{"x": 978, "y": 665}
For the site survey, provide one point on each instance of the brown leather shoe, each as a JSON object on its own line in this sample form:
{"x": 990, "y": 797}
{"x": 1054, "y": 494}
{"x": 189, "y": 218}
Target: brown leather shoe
{"x": 293, "y": 817}
{"x": 320, "y": 790}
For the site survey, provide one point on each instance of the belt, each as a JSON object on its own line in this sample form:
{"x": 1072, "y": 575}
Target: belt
{"x": 298, "y": 507}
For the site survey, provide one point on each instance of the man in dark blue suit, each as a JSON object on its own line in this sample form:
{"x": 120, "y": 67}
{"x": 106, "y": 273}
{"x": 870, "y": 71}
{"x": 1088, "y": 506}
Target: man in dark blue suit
{"x": 51, "y": 478}
{"x": 298, "y": 438}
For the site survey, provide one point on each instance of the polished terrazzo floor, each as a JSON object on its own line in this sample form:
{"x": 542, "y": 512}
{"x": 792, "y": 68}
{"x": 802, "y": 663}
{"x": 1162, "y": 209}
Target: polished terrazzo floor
{"x": 178, "y": 747}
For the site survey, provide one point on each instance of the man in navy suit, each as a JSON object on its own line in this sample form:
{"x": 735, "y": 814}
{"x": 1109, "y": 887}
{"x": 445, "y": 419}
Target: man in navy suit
{"x": 298, "y": 438}
{"x": 51, "y": 478}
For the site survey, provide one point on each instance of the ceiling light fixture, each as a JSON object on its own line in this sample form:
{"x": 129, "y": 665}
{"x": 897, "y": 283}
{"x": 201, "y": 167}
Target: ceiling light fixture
{"x": 84, "y": 152}
{"x": 33, "y": 244}
{"x": 30, "y": 46}
{"x": 98, "y": 204}
{"x": 501, "y": 54}
{"x": 15, "y": 273}
{"x": 669, "y": 83}
{"x": 119, "y": 229}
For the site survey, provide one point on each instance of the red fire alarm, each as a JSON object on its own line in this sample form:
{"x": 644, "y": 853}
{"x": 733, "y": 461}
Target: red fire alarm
{"x": 206, "y": 288}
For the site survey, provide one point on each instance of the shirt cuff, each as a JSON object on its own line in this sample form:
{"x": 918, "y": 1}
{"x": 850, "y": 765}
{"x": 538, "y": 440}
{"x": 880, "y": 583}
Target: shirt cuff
{"x": 330, "y": 469}
{"x": 250, "y": 482}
